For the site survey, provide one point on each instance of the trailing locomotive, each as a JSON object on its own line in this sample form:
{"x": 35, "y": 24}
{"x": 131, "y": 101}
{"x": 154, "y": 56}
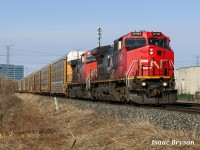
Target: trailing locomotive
{"x": 138, "y": 68}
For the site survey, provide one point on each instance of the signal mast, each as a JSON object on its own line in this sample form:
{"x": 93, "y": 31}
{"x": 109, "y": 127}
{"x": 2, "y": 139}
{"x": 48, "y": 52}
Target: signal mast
{"x": 99, "y": 35}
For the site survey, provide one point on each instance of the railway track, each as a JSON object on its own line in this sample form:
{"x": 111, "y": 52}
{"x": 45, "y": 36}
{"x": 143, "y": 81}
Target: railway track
{"x": 184, "y": 107}
{"x": 179, "y": 106}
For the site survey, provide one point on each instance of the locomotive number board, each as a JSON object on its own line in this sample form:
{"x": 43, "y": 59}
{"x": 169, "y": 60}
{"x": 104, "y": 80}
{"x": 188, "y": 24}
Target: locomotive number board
{"x": 137, "y": 33}
{"x": 156, "y": 33}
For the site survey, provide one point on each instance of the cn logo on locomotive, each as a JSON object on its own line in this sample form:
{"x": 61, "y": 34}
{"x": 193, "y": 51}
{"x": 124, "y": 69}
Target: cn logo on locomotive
{"x": 144, "y": 62}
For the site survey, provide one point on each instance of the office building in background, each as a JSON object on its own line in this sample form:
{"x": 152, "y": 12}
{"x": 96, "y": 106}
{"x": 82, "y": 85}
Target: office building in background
{"x": 11, "y": 72}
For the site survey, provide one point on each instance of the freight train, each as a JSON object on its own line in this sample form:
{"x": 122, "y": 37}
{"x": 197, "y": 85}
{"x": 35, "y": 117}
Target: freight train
{"x": 138, "y": 67}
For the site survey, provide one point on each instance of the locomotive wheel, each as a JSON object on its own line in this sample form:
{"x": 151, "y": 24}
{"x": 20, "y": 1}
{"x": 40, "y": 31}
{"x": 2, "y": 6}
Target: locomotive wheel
{"x": 123, "y": 94}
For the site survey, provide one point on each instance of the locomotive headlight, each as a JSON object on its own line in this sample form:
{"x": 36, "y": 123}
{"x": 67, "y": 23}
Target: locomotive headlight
{"x": 151, "y": 51}
{"x": 143, "y": 83}
{"x": 164, "y": 83}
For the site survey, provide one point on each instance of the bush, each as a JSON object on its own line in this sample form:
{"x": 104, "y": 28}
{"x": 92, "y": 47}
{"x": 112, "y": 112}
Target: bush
{"x": 8, "y": 87}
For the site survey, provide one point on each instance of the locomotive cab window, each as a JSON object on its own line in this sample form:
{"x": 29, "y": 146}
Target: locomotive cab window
{"x": 90, "y": 58}
{"x": 134, "y": 43}
{"x": 161, "y": 42}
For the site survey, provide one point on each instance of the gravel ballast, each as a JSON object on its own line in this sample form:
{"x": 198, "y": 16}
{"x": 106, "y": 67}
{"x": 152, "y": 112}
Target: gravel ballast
{"x": 163, "y": 118}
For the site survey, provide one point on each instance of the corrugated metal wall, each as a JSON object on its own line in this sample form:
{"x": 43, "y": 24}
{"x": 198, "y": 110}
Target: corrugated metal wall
{"x": 188, "y": 80}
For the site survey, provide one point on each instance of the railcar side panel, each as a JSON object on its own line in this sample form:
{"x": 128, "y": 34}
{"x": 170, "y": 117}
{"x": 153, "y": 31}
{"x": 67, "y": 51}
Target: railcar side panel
{"x": 23, "y": 85}
{"x": 46, "y": 79}
{"x": 20, "y": 86}
{"x": 31, "y": 83}
{"x": 37, "y": 82}
{"x": 26, "y": 84}
{"x": 59, "y": 76}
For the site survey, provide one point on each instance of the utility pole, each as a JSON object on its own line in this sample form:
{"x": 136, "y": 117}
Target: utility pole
{"x": 197, "y": 57}
{"x": 99, "y": 35}
{"x": 8, "y": 59}
{"x": 8, "y": 53}
{"x": 26, "y": 71}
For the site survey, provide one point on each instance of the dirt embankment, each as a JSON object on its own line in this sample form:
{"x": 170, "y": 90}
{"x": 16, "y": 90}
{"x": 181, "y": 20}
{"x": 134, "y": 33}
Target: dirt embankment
{"x": 30, "y": 122}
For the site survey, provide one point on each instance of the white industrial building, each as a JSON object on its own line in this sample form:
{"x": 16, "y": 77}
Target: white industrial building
{"x": 188, "y": 80}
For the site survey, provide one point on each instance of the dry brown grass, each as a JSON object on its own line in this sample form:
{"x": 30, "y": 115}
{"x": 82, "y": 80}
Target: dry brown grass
{"x": 30, "y": 122}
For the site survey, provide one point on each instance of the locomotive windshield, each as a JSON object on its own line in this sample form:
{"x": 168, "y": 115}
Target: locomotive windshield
{"x": 159, "y": 42}
{"x": 135, "y": 43}
{"x": 90, "y": 58}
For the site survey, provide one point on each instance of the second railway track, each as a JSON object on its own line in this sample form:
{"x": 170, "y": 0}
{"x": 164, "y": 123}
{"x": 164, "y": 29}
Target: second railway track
{"x": 183, "y": 107}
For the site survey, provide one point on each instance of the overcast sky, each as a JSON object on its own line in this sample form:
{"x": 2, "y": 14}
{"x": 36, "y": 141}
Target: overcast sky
{"x": 40, "y": 31}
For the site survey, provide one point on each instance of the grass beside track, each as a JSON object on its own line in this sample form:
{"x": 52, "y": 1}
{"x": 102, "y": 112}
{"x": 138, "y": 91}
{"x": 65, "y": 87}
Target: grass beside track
{"x": 30, "y": 122}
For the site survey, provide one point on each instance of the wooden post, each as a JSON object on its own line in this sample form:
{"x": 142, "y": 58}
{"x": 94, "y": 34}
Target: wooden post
{"x": 56, "y": 104}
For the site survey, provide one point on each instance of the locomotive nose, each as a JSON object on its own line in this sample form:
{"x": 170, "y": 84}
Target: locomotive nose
{"x": 159, "y": 52}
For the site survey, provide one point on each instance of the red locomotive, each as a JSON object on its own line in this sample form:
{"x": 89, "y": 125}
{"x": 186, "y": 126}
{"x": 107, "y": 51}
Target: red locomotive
{"x": 82, "y": 74}
{"x": 138, "y": 68}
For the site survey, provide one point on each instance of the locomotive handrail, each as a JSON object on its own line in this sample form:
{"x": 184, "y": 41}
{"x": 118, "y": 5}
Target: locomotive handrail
{"x": 174, "y": 70}
{"x": 88, "y": 80}
{"x": 164, "y": 60}
{"x": 176, "y": 76}
{"x": 128, "y": 72}
{"x": 171, "y": 63}
{"x": 88, "y": 83}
